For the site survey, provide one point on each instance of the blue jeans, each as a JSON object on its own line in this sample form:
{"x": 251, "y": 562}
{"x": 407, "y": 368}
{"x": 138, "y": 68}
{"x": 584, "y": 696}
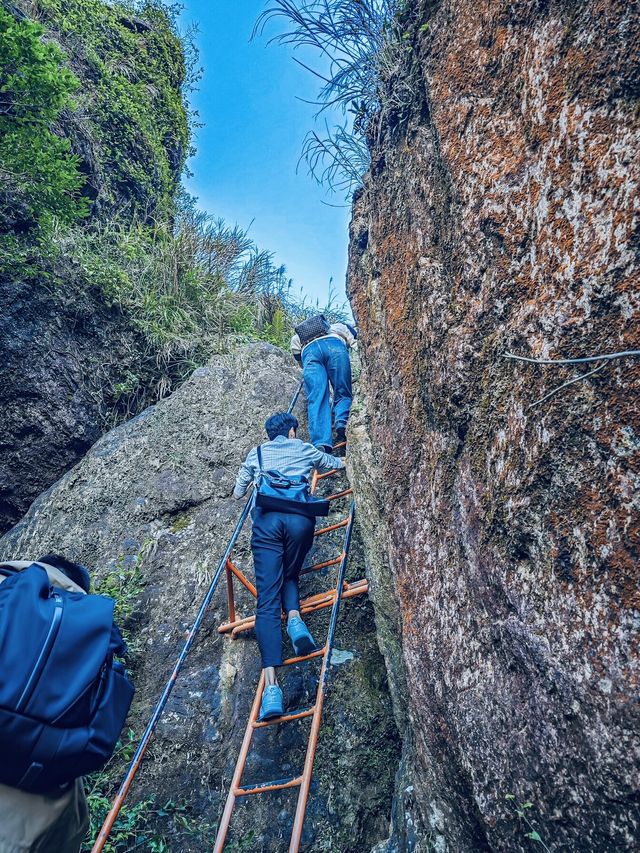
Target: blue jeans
{"x": 323, "y": 362}
{"x": 280, "y": 541}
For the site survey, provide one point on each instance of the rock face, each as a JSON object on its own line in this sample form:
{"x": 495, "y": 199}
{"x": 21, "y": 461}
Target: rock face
{"x": 149, "y": 504}
{"x": 61, "y": 357}
{"x": 64, "y": 350}
{"x": 498, "y": 216}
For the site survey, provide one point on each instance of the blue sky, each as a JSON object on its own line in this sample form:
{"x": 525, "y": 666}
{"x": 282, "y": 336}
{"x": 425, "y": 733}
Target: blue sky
{"x": 247, "y": 152}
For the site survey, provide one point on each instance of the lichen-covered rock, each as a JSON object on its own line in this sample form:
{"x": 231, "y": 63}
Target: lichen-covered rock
{"x": 408, "y": 832}
{"x": 151, "y": 499}
{"x": 499, "y": 215}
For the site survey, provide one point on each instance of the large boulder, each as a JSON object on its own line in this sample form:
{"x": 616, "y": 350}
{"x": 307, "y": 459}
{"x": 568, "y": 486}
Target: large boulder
{"x": 500, "y": 214}
{"x": 148, "y": 510}
{"x": 62, "y": 356}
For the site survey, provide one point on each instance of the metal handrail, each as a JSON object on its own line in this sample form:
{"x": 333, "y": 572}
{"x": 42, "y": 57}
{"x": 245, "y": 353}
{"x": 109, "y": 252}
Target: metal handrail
{"x": 134, "y": 765}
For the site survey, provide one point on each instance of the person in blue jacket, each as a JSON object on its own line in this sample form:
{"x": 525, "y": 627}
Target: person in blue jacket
{"x": 280, "y": 541}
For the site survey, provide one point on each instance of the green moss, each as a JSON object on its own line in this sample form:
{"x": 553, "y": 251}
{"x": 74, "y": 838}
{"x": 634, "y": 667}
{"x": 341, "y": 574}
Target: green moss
{"x": 132, "y": 64}
{"x": 40, "y": 177}
{"x": 180, "y": 523}
{"x": 116, "y": 149}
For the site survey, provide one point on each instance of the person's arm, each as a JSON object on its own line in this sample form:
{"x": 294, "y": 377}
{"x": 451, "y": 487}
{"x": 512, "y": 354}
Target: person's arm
{"x": 324, "y": 461}
{"x": 246, "y": 475}
{"x": 296, "y": 348}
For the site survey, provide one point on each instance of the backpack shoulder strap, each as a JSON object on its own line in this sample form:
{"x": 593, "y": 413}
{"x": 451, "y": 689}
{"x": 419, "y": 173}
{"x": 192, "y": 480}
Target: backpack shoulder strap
{"x": 6, "y": 571}
{"x": 259, "y": 452}
{"x": 16, "y": 565}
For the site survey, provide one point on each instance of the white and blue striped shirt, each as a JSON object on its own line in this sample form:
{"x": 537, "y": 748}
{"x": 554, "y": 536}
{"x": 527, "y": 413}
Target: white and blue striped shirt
{"x": 290, "y": 456}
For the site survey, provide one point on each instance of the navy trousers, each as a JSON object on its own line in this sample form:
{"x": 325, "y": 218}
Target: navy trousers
{"x": 326, "y": 361}
{"x": 280, "y": 541}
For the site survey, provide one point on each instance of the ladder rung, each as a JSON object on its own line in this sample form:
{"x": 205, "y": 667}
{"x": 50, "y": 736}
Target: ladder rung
{"x": 331, "y": 527}
{"x": 316, "y": 654}
{"x": 308, "y": 605}
{"x": 286, "y": 718}
{"x": 328, "y": 473}
{"x": 327, "y": 563}
{"x": 337, "y": 495}
{"x": 262, "y": 787}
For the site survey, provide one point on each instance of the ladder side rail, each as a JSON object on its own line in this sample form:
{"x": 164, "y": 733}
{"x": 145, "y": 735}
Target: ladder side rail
{"x": 225, "y": 820}
{"x": 231, "y": 604}
{"x": 301, "y": 807}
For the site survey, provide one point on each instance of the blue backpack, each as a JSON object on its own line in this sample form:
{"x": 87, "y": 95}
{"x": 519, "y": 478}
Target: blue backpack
{"x": 63, "y": 698}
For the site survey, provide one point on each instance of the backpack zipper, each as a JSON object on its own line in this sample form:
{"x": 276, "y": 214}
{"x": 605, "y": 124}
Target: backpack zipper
{"x": 43, "y": 657}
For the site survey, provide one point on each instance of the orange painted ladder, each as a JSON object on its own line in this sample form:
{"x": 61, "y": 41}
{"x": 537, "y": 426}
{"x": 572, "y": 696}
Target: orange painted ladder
{"x": 138, "y": 756}
{"x": 234, "y": 626}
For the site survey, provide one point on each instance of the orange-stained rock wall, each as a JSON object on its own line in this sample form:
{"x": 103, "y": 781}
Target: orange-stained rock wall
{"x": 501, "y": 215}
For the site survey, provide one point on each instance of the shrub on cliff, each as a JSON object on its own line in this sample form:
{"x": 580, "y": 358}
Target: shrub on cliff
{"x": 41, "y": 180}
{"x": 190, "y": 287}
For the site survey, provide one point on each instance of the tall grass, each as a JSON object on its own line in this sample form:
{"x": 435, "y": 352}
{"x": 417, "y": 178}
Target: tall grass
{"x": 191, "y": 287}
{"x": 362, "y": 52}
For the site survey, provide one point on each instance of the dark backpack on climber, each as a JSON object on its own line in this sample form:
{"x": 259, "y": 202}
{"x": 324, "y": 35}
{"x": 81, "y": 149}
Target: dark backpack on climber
{"x": 277, "y": 493}
{"x": 314, "y": 327}
{"x": 63, "y": 697}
